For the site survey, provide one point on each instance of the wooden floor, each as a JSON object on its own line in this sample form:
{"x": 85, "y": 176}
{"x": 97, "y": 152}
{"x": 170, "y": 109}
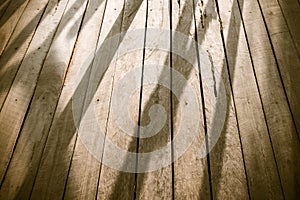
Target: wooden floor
{"x": 48, "y": 53}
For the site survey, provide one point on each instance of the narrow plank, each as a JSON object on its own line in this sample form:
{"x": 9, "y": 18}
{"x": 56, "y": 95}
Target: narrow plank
{"x": 18, "y": 44}
{"x": 156, "y": 184}
{"x": 116, "y": 183}
{"x": 286, "y": 54}
{"x": 190, "y": 167}
{"x": 82, "y": 181}
{"x": 280, "y": 122}
{"x": 9, "y": 20}
{"x": 263, "y": 179}
{"x": 17, "y": 102}
{"x": 290, "y": 9}
{"x": 228, "y": 176}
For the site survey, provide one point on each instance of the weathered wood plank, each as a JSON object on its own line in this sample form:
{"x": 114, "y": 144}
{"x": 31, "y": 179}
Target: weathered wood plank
{"x": 18, "y": 44}
{"x": 83, "y": 176}
{"x": 17, "y": 102}
{"x": 228, "y": 176}
{"x": 279, "y": 119}
{"x": 191, "y": 179}
{"x": 290, "y": 9}
{"x": 286, "y": 53}
{"x": 261, "y": 168}
{"x": 9, "y": 20}
{"x": 115, "y": 183}
{"x": 51, "y": 175}
{"x": 156, "y": 184}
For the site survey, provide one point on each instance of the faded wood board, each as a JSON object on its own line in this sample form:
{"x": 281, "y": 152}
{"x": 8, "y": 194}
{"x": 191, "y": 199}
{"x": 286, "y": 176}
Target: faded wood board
{"x": 47, "y": 92}
{"x": 290, "y": 9}
{"x": 286, "y": 54}
{"x": 115, "y": 183}
{"x": 261, "y": 168}
{"x": 9, "y": 20}
{"x": 191, "y": 179}
{"x": 18, "y": 44}
{"x": 282, "y": 129}
{"x": 156, "y": 184}
{"x": 82, "y": 180}
{"x": 227, "y": 169}
{"x": 17, "y": 102}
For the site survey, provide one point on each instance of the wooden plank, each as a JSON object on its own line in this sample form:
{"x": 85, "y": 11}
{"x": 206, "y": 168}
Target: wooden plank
{"x": 56, "y": 65}
{"x": 31, "y": 142}
{"x": 190, "y": 168}
{"x": 263, "y": 179}
{"x": 280, "y": 122}
{"x": 156, "y": 184}
{"x": 228, "y": 176}
{"x": 9, "y": 20}
{"x": 82, "y": 181}
{"x": 17, "y": 102}
{"x": 115, "y": 183}
{"x": 18, "y": 44}
{"x": 290, "y": 9}
{"x": 286, "y": 54}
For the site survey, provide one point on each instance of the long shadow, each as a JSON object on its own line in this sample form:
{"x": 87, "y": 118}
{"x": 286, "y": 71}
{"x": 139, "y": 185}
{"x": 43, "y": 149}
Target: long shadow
{"x": 183, "y": 27}
{"x": 29, "y": 181}
{"x": 3, "y": 6}
{"x": 6, "y": 12}
{"x": 218, "y": 152}
{"x": 66, "y": 117}
{"x": 8, "y": 74}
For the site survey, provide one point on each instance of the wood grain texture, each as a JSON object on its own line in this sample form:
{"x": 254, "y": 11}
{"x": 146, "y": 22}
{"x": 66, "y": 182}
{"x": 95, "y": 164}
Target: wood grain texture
{"x": 18, "y": 44}
{"x": 156, "y": 184}
{"x": 17, "y": 102}
{"x": 49, "y": 181}
{"x": 282, "y": 129}
{"x": 261, "y": 168}
{"x": 83, "y": 176}
{"x": 228, "y": 176}
{"x": 191, "y": 179}
{"x": 290, "y": 9}
{"x": 114, "y": 183}
{"x": 9, "y": 20}
{"x": 286, "y": 53}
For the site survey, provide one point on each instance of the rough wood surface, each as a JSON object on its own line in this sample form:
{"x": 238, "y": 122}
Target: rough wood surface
{"x": 286, "y": 53}
{"x": 263, "y": 179}
{"x": 18, "y": 44}
{"x": 82, "y": 180}
{"x": 286, "y": 146}
{"x": 228, "y": 176}
{"x": 9, "y": 20}
{"x": 18, "y": 100}
{"x": 190, "y": 168}
{"x": 50, "y": 84}
{"x": 60, "y": 83}
{"x": 115, "y": 183}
